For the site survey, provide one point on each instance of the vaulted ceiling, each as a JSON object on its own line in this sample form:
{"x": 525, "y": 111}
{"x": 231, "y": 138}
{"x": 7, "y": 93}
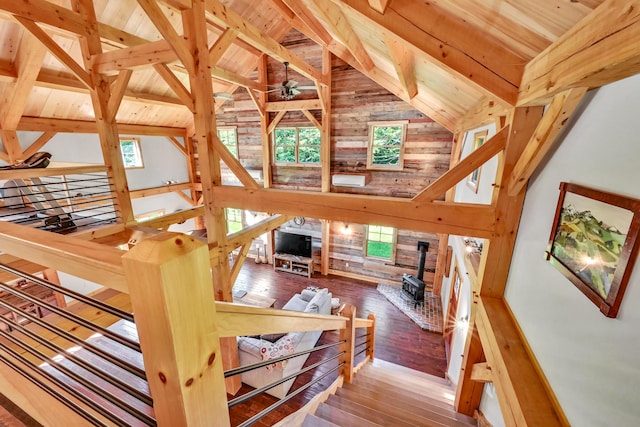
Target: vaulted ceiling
{"x": 448, "y": 58}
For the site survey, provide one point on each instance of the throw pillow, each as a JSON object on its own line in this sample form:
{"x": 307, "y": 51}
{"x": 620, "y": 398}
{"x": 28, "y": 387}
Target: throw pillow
{"x": 307, "y": 295}
{"x": 271, "y": 351}
{"x": 272, "y": 337}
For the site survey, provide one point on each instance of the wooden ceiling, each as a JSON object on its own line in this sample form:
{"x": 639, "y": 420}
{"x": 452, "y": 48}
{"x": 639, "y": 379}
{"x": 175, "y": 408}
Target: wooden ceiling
{"x": 445, "y": 57}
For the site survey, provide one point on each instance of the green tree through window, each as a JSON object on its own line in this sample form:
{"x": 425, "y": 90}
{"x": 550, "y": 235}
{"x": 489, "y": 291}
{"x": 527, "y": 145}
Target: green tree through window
{"x": 234, "y": 220}
{"x": 380, "y": 242}
{"x": 131, "y": 153}
{"x": 297, "y": 145}
{"x": 229, "y": 139}
{"x": 386, "y": 146}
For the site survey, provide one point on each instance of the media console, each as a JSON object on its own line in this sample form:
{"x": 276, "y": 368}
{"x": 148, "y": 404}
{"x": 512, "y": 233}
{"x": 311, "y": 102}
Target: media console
{"x": 293, "y": 264}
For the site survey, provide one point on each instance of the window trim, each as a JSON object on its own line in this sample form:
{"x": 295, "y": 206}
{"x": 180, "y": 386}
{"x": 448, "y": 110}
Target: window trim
{"x": 235, "y": 133}
{"x": 297, "y": 147}
{"x": 137, "y": 149}
{"x": 394, "y": 242}
{"x": 479, "y": 139}
{"x": 397, "y": 123}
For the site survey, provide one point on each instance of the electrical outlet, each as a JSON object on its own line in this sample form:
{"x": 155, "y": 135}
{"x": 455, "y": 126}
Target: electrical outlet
{"x": 346, "y": 264}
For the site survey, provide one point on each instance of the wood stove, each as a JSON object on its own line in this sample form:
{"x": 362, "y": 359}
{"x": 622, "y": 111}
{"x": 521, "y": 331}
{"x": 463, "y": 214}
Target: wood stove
{"x": 413, "y": 286}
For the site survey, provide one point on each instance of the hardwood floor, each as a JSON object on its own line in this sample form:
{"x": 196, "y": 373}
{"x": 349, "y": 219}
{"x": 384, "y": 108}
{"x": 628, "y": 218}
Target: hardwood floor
{"x": 398, "y": 339}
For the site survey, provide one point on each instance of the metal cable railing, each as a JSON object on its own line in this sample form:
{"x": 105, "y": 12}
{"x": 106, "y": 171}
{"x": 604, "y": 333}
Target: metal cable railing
{"x": 103, "y": 372}
{"x": 60, "y": 203}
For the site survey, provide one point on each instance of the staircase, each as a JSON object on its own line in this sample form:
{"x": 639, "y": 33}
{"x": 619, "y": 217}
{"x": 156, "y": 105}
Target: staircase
{"x": 385, "y": 394}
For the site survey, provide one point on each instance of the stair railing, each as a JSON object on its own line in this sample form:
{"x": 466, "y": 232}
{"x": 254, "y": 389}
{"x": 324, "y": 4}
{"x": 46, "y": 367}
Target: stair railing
{"x": 179, "y": 324}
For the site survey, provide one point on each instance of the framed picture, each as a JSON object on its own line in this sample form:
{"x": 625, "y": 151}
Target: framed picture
{"x": 594, "y": 242}
{"x": 479, "y": 138}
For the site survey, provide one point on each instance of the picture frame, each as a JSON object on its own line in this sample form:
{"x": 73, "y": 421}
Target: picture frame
{"x": 479, "y": 138}
{"x": 594, "y": 242}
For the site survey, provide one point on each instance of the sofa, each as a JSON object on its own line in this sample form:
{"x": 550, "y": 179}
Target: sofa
{"x": 255, "y": 349}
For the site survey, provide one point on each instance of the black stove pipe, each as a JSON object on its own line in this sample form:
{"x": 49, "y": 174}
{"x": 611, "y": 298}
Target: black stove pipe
{"x": 423, "y": 247}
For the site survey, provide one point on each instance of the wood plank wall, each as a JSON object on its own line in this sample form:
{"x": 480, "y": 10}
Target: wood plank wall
{"x": 356, "y": 101}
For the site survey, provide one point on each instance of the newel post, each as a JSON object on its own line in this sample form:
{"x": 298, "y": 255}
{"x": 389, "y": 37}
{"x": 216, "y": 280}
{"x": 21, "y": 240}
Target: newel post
{"x": 169, "y": 282}
{"x": 371, "y": 336}
{"x": 348, "y": 334}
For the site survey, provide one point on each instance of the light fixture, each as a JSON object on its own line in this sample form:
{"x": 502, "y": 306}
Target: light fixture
{"x": 346, "y": 229}
{"x": 472, "y": 245}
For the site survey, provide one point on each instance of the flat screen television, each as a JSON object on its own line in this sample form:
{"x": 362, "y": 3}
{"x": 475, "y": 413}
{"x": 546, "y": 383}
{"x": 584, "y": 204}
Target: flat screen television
{"x": 293, "y": 244}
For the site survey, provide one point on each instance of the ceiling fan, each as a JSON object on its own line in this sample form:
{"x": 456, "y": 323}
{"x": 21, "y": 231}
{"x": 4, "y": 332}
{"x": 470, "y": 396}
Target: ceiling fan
{"x": 289, "y": 88}
{"x": 226, "y": 96}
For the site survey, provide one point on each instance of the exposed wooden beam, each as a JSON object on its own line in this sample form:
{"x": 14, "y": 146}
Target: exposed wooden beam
{"x": 178, "y": 145}
{"x": 221, "y": 15}
{"x": 486, "y": 111}
{"x": 78, "y": 126}
{"x": 465, "y": 167}
{"x": 602, "y": 48}
{"x": 379, "y": 5}
{"x": 403, "y": 62}
{"x": 165, "y": 221}
{"x": 469, "y": 52}
{"x": 234, "y": 164}
{"x": 550, "y": 126}
{"x": 169, "y": 33}
{"x": 246, "y": 235}
{"x": 257, "y": 102}
{"x": 55, "y": 49}
{"x": 312, "y": 119}
{"x": 265, "y": 139}
{"x": 39, "y": 143}
{"x": 118, "y": 91}
{"x": 300, "y": 10}
{"x": 146, "y": 192}
{"x": 228, "y": 76}
{"x": 482, "y": 373}
{"x": 342, "y": 28}
{"x": 438, "y": 217}
{"x": 221, "y": 45}
{"x": 239, "y": 261}
{"x": 179, "y": 4}
{"x": 176, "y": 85}
{"x": 47, "y": 13}
{"x": 296, "y": 104}
{"x": 138, "y": 56}
{"x": 11, "y": 145}
{"x": 325, "y": 138}
{"x": 521, "y": 389}
{"x": 15, "y": 96}
{"x": 275, "y": 121}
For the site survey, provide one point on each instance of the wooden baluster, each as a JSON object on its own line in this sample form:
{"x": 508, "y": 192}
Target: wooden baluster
{"x": 170, "y": 287}
{"x": 348, "y": 334}
{"x": 371, "y": 336}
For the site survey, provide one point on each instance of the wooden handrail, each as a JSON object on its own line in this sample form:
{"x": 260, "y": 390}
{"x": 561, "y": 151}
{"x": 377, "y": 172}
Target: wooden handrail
{"x": 363, "y": 323}
{"x": 54, "y": 169}
{"x": 88, "y": 260}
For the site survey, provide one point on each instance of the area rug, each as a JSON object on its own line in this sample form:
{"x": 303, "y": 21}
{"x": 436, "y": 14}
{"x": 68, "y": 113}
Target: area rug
{"x": 428, "y": 315}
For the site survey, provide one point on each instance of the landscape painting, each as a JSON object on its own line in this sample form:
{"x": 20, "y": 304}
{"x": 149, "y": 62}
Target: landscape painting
{"x": 593, "y": 242}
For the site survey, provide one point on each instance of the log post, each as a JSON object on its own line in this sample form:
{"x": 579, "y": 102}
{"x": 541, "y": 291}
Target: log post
{"x": 170, "y": 287}
{"x": 348, "y": 334}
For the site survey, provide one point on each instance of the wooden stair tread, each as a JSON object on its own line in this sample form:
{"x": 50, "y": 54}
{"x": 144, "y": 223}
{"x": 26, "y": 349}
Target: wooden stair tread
{"x": 442, "y": 399}
{"x": 411, "y": 376}
{"x": 419, "y": 387}
{"x": 313, "y": 421}
{"x": 384, "y": 366}
{"x": 366, "y": 412}
{"x": 342, "y": 418}
{"x": 399, "y": 406}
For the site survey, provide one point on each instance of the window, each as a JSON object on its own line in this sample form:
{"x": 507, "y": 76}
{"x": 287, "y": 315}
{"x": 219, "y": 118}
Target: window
{"x": 297, "y": 145}
{"x": 386, "y": 146}
{"x": 234, "y": 219}
{"x": 380, "y": 242}
{"x": 131, "y": 153}
{"x": 229, "y": 139}
{"x": 149, "y": 215}
{"x": 478, "y": 140}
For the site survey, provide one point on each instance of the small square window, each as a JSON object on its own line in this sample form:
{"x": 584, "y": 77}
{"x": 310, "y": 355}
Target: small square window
{"x": 386, "y": 146}
{"x": 234, "y": 220}
{"x": 381, "y": 242}
{"x": 131, "y": 153}
{"x": 473, "y": 180}
{"x": 296, "y": 145}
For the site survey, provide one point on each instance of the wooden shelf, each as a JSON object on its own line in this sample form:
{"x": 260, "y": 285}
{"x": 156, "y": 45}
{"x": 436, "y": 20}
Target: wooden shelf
{"x": 293, "y": 264}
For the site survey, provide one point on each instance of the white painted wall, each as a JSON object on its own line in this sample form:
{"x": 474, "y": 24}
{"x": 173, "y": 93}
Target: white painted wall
{"x": 464, "y": 193}
{"x": 591, "y": 362}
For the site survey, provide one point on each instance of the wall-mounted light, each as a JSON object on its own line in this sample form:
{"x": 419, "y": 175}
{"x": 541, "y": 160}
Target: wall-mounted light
{"x": 472, "y": 246}
{"x": 346, "y": 229}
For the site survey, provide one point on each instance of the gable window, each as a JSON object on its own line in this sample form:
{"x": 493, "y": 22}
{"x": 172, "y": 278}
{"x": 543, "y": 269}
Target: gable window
{"x": 380, "y": 242}
{"x": 300, "y": 145}
{"x": 229, "y": 139}
{"x": 131, "y": 153}
{"x": 479, "y": 139}
{"x": 234, "y": 219}
{"x": 386, "y": 145}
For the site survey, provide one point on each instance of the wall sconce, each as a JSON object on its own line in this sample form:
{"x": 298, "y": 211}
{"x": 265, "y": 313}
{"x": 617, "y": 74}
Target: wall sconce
{"x": 346, "y": 229}
{"x": 472, "y": 246}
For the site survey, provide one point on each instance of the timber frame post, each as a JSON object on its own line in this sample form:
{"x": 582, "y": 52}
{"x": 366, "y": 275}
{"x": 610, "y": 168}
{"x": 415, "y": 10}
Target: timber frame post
{"x": 348, "y": 335}
{"x": 177, "y": 329}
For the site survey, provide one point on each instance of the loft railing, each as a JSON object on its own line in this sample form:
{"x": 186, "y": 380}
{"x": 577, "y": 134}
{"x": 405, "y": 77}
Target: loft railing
{"x": 61, "y": 200}
{"x": 179, "y": 325}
